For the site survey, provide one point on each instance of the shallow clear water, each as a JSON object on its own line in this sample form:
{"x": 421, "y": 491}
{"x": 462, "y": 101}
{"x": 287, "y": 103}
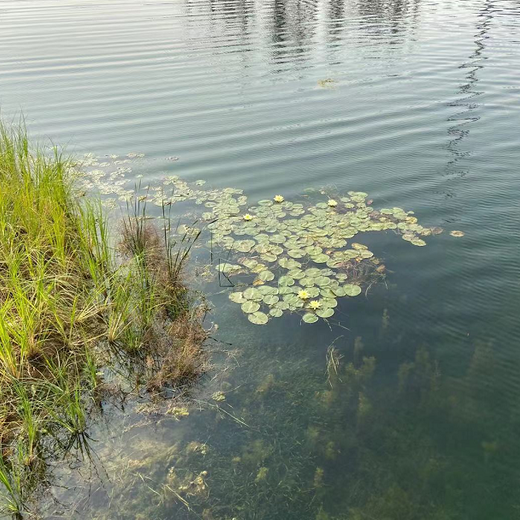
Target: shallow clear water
{"x": 421, "y": 111}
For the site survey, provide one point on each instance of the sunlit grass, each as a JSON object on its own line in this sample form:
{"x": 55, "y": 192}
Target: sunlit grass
{"x": 67, "y": 294}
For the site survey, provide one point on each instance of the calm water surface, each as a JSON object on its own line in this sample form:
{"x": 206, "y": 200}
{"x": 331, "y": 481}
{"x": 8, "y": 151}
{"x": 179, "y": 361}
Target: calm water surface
{"x": 416, "y": 103}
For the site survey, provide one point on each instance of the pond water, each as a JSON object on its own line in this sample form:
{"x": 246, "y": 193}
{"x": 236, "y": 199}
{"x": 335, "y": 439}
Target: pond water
{"x": 407, "y": 404}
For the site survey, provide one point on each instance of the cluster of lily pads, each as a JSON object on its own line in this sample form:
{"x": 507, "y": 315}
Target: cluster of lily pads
{"x": 298, "y": 255}
{"x": 282, "y": 256}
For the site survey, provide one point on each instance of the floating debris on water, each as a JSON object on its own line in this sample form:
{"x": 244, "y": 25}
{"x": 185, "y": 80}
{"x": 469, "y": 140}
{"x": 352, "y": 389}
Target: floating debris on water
{"x": 457, "y": 233}
{"x": 218, "y": 396}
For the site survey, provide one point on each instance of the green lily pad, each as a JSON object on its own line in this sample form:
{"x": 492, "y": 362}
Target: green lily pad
{"x": 352, "y": 290}
{"x": 313, "y": 292}
{"x": 278, "y": 239}
{"x": 268, "y": 257}
{"x": 297, "y": 274}
{"x": 325, "y": 312}
{"x": 271, "y": 299}
{"x": 225, "y": 267}
{"x": 329, "y": 303}
{"x": 285, "y": 281}
{"x": 266, "y": 276}
{"x": 320, "y": 259}
{"x": 258, "y": 318}
{"x": 237, "y": 297}
{"x": 296, "y": 253}
{"x": 252, "y": 294}
{"x": 250, "y": 306}
{"x": 275, "y": 312}
{"x": 267, "y": 289}
{"x": 309, "y": 317}
{"x": 322, "y": 281}
{"x": 244, "y": 246}
{"x": 339, "y": 292}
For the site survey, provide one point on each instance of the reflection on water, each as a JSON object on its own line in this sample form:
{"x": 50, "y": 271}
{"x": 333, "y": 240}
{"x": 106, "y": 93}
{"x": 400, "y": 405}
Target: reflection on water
{"x": 468, "y": 94}
{"x": 412, "y": 101}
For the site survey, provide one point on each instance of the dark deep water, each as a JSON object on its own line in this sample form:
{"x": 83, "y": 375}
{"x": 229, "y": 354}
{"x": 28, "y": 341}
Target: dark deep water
{"x": 416, "y": 103}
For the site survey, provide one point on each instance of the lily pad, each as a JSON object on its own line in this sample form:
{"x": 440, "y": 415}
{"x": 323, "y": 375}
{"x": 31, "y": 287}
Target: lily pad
{"x": 325, "y": 312}
{"x": 320, "y": 259}
{"x": 237, "y": 297}
{"x": 225, "y": 267}
{"x": 252, "y": 294}
{"x": 285, "y": 281}
{"x": 266, "y": 276}
{"x": 329, "y": 303}
{"x": 258, "y": 318}
{"x": 310, "y": 318}
{"x": 250, "y": 306}
{"x": 352, "y": 290}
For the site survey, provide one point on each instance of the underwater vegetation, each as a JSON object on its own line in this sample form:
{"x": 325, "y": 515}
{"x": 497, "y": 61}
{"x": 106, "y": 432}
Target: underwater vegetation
{"x": 285, "y": 442}
{"x": 79, "y": 306}
{"x": 330, "y": 443}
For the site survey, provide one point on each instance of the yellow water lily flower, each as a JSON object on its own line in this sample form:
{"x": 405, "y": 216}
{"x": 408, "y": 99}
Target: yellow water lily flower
{"x": 278, "y": 198}
{"x": 303, "y": 295}
{"x": 247, "y": 216}
{"x": 332, "y": 203}
{"x": 315, "y": 304}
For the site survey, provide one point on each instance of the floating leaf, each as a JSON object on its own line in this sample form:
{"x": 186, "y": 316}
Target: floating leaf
{"x": 258, "y": 318}
{"x": 250, "y": 306}
{"x": 457, "y": 233}
{"x": 312, "y": 292}
{"x": 237, "y": 297}
{"x": 352, "y": 290}
{"x": 307, "y": 282}
{"x": 244, "y": 246}
{"x": 252, "y": 294}
{"x": 322, "y": 281}
{"x": 267, "y": 289}
{"x": 278, "y": 239}
{"x": 276, "y": 312}
{"x": 325, "y": 312}
{"x": 297, "y": 274}
{"x": 320, "y": 259}
{"x": 266, "y": 276}
{"x": 310, "y": 318}
{"x": 271, "y": 299}
{"x": 225, "y": 267}
{"x": 288, "y": 263}
{"x": 329, "y": 303}
{"x": 268, "y": 257}
{"x": 285, "y": 281}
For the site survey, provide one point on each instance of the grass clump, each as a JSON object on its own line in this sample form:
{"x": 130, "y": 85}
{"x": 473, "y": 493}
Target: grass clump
{"x": 71, "y": 303}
